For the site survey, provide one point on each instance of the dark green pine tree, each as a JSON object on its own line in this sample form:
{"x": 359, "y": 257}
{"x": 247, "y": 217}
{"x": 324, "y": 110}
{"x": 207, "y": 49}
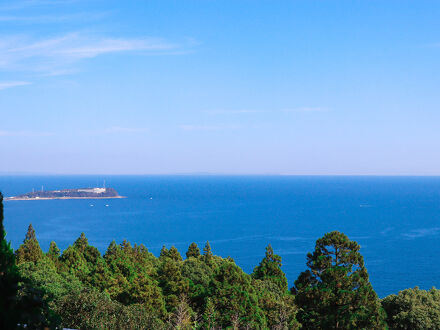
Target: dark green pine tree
{"x": 235, "y": 299}
{"x": 30, "y": 249}
{"x": 335, "y": 292}
{"x": 81, "y": 243}
{"x": 172, "y": 282}
{"x": 270, "y": 269}
{"x": 193, "y": 251}
{"x": 9, "y": 278}
{"x": 207, "y": 253}
{"x": 174, "y": 254}
{"x": 54, "y": 251}
{"x": 209, "y": 315}
{"x": 163, "y": 252}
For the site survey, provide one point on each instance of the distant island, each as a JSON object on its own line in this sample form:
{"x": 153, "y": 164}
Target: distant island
{"x": 81, "y": 193}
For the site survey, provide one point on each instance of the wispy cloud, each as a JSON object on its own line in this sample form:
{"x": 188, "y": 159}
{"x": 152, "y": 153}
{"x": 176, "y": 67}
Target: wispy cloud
{"x": 20, "y": 4}
{"x": 10, "y": 84}
{"x": 208, "y": 127}
{"x": 232, "y": 112}
{"x": 60, "y": 54}
{"x": 306, "y": 109}
{"x": 24, "y": 133}
{"x": 47, "y": 19}
{"x": 118, "y": 130}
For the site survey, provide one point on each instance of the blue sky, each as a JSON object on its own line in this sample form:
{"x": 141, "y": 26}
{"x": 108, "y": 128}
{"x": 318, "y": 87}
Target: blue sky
{"x": 239, "y": 87}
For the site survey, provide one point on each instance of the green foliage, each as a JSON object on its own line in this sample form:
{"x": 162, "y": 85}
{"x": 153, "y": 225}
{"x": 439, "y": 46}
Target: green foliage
{"x": 129, "y": 288}
{"x": 89, "y": 309}
{"x": 413, "y": 309}
{"x": 35, "y": 312}
{"x": 174, "y": 254}
{"x": 163, "y": 252}
{"x": 278, "y": 306}
{"x": 145, "y": 291}
{"x": 335, "y": 293}
{"x": 172, "y": 282}
{"x": 81, "y": 243}
{"x": 44, "y": 276}
{"x": 30, "y": 249}
{"x": 270, "y": 269}
{"x": 210, "y": 315}
{"x": 54, "y": 252}
{"x": 73, "y": 262}
{"x": 193, "y": 251}
{"x": 234, "y": 297}
{"x": 207, "y": 253}
{"x": 9, "y": 279}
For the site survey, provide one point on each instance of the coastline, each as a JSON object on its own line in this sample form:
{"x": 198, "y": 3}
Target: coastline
{"x": 50, "y": 198}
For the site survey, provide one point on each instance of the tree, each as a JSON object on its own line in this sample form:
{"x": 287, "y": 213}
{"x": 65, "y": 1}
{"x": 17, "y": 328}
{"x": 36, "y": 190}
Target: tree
{"x": 81, "y": 243}
{"x": 54, "y": 251}
{"x": 163, "y": 252}
{"x": 235, "y": 298}
{"x": 413, "y": 309}
{"x": 89, "y": 309}
{"x": 9, "y": 278}
{"x": 145, "y": 291}
{"x": 199, "y": 275}
{"x": 73, "y": 261}
{"x": 335, "y": 293}
{"x": 193, "y": 251}
{"x": 174, "y": 254}
{"x": 207, "y": 253}
{"x": 172, "y": 282}
{"x": 20, "y": 302}
{"x": 270, "y": 269}
{"x": 30, "y": 249}
{"x": 210, "y": 315}
{"x": 277, "y": 305}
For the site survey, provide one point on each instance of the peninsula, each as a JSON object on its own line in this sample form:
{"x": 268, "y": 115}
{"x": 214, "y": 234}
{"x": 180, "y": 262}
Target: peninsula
{"x": 81, "y": 193}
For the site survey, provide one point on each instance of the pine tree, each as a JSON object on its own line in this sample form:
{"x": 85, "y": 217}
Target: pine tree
{"x": 9, "y": 278}
{"x": 270, "y": 269}
{"x": 163, "y": 252}
{"x": 81, "y": 243}
{"x": 335, "y": 293}
{"x": 174, "y": 254}
{"x": 30, "y": 249}
{"x": 172, "y": 282}
{"x": 193, "y": 251}
{"x": 210, "y": 315}
{"x": 207, "y": 253}
{"x": 54, "y": 251}
{"x": 235, "y": 298}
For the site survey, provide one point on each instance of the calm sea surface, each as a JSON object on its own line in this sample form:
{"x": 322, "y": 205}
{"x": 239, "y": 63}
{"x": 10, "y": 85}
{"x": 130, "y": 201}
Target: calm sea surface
{"x": 396, "y": 220}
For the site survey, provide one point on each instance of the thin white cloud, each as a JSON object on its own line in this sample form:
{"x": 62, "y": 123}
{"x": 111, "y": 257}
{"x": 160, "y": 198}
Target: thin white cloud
{"x": 17, "y": 4}
{"x": 232, "y": 112}
{"x": 10, "y": 84}
{"x": 306, "y": 109}
{"x": 24, "y": 133}
{"x": 62, "y": 53}
{"x": 119, "y": 130}
{"x": 208, "y": 127}
{"x": 47, "y": 19}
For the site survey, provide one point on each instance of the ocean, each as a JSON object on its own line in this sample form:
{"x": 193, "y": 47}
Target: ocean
{"x": 396, "y": 220}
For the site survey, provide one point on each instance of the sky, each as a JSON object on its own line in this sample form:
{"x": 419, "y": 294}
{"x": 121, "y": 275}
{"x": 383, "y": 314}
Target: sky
{"x": 229, "y": 87}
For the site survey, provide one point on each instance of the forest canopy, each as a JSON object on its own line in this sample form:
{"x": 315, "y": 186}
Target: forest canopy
{"x": 129, "y": 288}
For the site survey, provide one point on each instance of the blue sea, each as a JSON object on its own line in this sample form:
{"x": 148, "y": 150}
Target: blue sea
{"x": 396, "y": 220}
